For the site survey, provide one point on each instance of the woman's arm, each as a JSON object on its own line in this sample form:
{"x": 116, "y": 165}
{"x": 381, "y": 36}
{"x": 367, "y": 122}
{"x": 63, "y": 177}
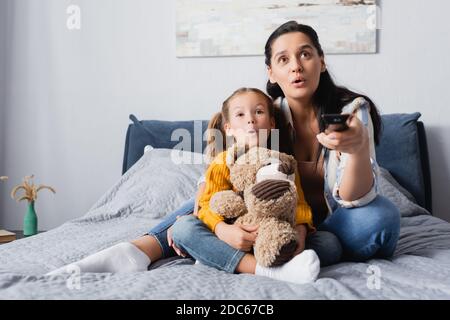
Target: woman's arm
{"x": 357, "y": 179}
{"x": 358, "y": 176}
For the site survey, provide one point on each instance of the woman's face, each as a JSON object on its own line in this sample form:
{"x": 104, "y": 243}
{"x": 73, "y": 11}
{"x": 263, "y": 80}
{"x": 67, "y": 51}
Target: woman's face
{"x": 296, "y": 66}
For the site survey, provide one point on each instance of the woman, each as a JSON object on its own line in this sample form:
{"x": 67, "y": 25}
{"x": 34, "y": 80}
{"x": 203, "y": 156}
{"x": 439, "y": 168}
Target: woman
{"x": 342, "y": 164}
{"x": 338, "y": 169}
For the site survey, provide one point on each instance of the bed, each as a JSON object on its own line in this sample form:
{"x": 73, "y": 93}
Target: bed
{"x": 152, "y": 185}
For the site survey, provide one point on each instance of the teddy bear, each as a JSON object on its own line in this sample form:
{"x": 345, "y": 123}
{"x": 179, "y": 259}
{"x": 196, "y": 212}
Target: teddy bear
{"x": 264, "y": 194}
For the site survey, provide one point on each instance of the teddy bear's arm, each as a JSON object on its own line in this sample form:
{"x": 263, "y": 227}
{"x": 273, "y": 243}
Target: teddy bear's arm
{"x": 228, "y": 204}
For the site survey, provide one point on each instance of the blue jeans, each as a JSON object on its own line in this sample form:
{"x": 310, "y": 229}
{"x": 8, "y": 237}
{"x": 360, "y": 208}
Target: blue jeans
{"x": 355, "y": 234}
{"x": 160, "y": 231}
{"x": 366, "y": 232}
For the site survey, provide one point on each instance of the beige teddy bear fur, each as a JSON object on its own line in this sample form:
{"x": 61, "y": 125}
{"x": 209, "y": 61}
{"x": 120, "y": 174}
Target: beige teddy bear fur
{"x": 265, "y": 195}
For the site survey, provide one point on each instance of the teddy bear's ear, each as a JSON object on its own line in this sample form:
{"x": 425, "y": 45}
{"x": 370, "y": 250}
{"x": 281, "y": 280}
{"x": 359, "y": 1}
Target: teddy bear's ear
{"x": 289, "y": 159}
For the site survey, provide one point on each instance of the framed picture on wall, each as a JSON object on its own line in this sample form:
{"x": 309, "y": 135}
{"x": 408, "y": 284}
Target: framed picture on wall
{"x": 241, "y": 27}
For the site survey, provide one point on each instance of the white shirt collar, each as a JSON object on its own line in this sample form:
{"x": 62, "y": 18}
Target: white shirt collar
{"x": 287, "y": 113}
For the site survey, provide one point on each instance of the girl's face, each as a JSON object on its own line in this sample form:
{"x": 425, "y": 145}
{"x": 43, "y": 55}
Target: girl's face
{"x": 248, "y": 114}
{"x": 296, "y": 66}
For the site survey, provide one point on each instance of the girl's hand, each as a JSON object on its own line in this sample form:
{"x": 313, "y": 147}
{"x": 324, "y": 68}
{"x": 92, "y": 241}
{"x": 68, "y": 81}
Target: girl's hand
{"x": 351, "y": 141}
{"x": 241, "y": 237}
{"x": 172, "y": 244}
{"x": 301, "y": 237}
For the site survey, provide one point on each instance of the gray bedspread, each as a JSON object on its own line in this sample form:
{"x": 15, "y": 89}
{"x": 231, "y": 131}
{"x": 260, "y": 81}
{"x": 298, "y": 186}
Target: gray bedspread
{"x": 420, "y": 268}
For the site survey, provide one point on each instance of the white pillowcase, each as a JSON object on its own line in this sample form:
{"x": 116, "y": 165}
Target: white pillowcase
{"x": 153, "y": 187}
{"x": 148, "y": 148}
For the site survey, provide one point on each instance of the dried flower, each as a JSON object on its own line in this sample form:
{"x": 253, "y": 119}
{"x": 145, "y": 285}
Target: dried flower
{"x": 31, "y": 190}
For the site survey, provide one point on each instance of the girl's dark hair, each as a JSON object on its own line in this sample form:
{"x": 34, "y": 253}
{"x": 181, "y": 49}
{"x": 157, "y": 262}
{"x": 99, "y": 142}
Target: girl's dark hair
{"x": 328, "y": 98}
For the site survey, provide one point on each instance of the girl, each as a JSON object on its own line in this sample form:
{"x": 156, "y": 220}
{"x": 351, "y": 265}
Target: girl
{"x": 339, "y": 169}
{"x": 215, "y": 243}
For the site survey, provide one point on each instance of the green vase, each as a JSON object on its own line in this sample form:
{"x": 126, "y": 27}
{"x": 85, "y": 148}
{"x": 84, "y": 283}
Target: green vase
{"x": 30, "y": 221}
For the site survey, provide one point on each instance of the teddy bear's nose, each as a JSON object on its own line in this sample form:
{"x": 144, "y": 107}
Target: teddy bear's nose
{"x": 286, "y": 168}
{"x": 270, "y": 189}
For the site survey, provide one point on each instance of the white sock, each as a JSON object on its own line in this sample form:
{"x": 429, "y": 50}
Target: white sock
{"x": 303, "y": 268}
{"x": 122, "y": 257}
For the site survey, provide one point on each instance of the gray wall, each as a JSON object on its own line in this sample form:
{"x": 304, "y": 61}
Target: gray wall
{"x": 69, "y": 93}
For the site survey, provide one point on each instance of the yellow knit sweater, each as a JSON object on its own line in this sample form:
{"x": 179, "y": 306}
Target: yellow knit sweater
{"x": 218, "y": 179}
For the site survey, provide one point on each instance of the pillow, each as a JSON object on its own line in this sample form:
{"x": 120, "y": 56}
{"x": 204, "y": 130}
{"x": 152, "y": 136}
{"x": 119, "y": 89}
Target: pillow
{"x": 148, "y": 148}
{"x": 161, "y": 134}
{"x": 399, "y": 152}
{"x": 399, "y": 196}
{"x": 177, "y": 175}
{"x": 156, "y": 185}
{"x": 388, "y": 176}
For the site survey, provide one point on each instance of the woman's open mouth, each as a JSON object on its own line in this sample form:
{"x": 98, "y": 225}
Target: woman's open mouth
{"x": 298, "y": 83}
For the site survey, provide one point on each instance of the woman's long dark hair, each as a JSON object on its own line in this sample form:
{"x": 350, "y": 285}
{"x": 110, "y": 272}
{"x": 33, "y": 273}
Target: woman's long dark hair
{"x": 328, "y": 98}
